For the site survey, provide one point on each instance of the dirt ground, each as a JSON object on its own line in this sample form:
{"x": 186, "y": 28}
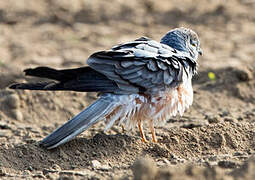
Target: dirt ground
{"x": 215, "y": 139}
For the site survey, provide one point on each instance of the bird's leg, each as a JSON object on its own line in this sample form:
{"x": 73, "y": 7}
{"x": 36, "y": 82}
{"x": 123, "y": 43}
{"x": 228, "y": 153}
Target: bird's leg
{"x": 180, "y": 98}
{"x": 123, "y": 128}
{"x": 141, "y": 131}
{"x": 153, "y": 133}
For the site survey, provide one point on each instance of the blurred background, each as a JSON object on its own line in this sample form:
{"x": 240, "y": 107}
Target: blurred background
{"x": 66, "y": 32}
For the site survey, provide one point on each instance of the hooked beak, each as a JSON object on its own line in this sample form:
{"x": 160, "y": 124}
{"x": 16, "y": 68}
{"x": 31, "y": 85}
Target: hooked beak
{"x": 200, "y": 51}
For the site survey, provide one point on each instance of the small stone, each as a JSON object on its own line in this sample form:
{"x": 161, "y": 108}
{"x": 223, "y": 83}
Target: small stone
{"x": 213, "y": 119}
{"x": 2, "y": 171}
{"x": 12, "y": 101}
{"x": 5, "y": 133}
{"x": 26, "y": 172}
{"x": 240, "y": 118}
{"x": 166, "y": 161}
{"x": 56, "y": 167}
{"x": 95, "y": 164}
{"x": 77, "y": 153}
{"x": 30, "y": 168}
{"x": 5, "y": 125}
{"x": 144, "y": 169}
{"x": 224, "y": 113}
{"x": 16, "y": 114}
{"x": 105, "y": 167}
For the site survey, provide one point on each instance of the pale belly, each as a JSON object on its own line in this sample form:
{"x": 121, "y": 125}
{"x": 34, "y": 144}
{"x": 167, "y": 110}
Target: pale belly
{"x": 156, "y": 109}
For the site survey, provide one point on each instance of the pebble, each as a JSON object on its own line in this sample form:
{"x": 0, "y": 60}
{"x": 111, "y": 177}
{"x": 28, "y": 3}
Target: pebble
{"x": 30, "y": 168}
{"x": 26, "y": 173}
{"x": 224, "y": 113}
{"x": 2, "y": 171}
{"x": 56, "y": 167}
{"x": 166, "y": 161}
{"x": 95, "y": 164}
{"x": 16, "y": 114}
{"x": 11, "y": 101}
{"x": 105, "y": 167}
{"x": 5, "y": 133}
{"x": 5, "y": 125}
{"x": 212, "y": 118}
{"x": 144, "y": 169}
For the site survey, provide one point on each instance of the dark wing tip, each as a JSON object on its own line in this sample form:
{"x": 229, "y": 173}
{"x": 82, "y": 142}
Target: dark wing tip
{"x": 14, "y": 86}
{"x": 37, "y": 71}
{"x": 27, "y": 71}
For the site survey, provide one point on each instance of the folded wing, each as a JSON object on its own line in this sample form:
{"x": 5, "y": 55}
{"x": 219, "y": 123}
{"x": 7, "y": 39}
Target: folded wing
{"x": 142, "y": 65}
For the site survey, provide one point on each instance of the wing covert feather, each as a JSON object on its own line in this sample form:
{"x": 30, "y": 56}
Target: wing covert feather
{"x": 142, "y": 64}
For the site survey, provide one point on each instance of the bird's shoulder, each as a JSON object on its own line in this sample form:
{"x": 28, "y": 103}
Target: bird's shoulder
{"x": 142, "y": 49}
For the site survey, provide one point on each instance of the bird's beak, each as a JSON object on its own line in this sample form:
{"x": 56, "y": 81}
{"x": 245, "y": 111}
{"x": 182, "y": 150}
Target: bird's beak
{"x": 200, "y": 51}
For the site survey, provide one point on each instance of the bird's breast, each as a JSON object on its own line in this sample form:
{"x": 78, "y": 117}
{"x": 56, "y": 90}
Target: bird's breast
{"x": 158, "y": 107}
{"x": 163, "y": 105}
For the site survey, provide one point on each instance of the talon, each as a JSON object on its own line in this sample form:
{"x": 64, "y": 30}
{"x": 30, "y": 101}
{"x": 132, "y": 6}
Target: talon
{"x": 144, "y": 140}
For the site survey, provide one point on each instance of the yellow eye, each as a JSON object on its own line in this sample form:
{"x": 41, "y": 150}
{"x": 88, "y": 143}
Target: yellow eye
{"x": 193, "y": 44}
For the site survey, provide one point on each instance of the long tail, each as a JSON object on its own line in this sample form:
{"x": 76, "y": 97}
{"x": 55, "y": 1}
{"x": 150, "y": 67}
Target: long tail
{"x": 81, "y": 122}
{"x": 84, "y": 79}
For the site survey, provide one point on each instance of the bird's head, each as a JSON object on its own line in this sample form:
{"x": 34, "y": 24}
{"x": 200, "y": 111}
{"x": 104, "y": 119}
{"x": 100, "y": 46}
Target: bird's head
{"x": 183, "y": 39}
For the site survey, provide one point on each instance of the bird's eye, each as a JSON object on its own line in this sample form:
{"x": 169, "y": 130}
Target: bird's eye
{"x": 193, "y": 43}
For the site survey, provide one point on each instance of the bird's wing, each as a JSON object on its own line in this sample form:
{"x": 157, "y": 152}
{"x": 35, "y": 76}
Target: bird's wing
{"x": 142, "y": 65}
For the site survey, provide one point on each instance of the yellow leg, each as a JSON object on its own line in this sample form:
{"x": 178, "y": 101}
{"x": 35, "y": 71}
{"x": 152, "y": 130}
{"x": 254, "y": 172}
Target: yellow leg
{"x": 153, "y": 133}
{"x": 141, "y": 131}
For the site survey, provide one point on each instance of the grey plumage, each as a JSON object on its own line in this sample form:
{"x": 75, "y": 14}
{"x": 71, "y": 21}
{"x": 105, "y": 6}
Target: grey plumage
{"x": 80, "y": 122}
{"x": 142, "y": 66}
{"x": 121, "y": 63}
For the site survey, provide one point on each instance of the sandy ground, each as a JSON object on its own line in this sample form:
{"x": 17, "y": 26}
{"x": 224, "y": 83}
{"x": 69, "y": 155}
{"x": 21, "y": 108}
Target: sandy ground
{"x": 214, "y": 140}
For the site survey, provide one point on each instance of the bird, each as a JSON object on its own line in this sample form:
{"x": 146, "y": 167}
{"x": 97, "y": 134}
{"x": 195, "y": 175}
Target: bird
{"x": 141, "y": 82}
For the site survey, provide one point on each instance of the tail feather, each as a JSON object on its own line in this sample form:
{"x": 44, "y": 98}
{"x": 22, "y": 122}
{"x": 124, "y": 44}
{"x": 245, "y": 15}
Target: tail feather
{"x": 33, "y": 86}
{"x": 83, "y": 79}
{"x": 80, "y": 123}
{"x": 46, "y": 72}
